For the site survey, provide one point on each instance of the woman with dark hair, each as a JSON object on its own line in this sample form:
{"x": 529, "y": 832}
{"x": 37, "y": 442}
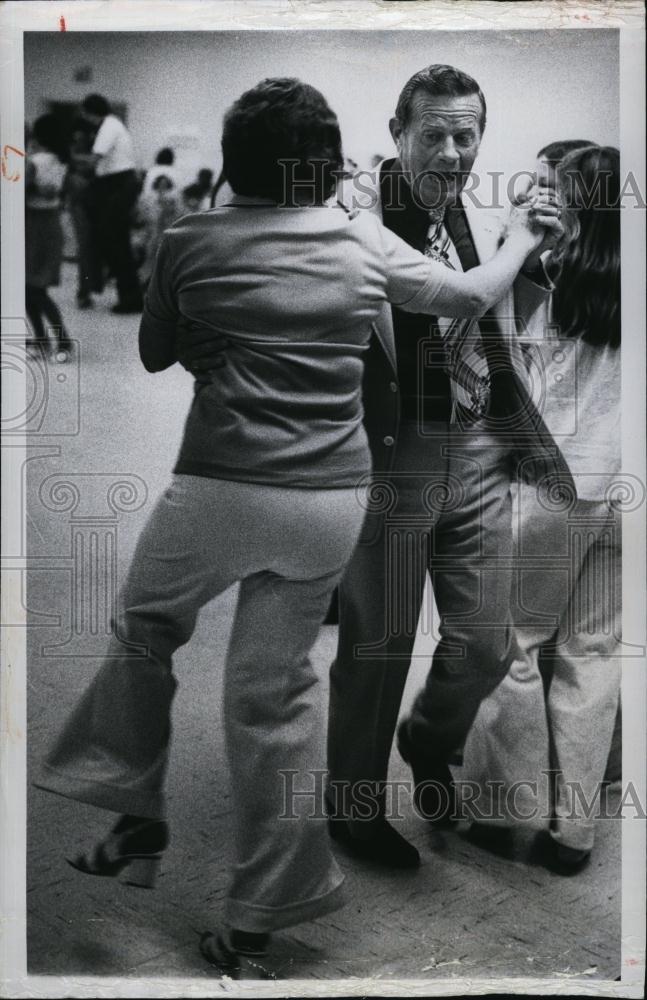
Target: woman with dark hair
{"x": 556, "y": 708}
{"x": 550, "y": 156}
{"x": 44, "y": 181}
{"x": 586, "y": 300}
{"x": 265, "y": 493}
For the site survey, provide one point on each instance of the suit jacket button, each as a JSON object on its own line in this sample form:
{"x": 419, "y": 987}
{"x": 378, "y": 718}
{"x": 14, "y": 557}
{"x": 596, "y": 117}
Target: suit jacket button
{"x": 389, "y": 441}
{"x": 393, "y": 386}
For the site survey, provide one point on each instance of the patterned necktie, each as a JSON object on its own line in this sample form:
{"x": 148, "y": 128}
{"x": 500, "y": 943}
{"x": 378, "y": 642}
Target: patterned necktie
{"x": 466, "y": 364}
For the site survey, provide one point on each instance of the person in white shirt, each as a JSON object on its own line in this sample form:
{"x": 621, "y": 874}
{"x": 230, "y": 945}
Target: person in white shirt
{"x": 116, "y": 191}
{"x": 163, "y": 167}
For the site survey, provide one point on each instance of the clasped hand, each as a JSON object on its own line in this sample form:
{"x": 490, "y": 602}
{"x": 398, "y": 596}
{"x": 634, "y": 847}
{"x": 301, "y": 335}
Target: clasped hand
{"x": 539, "y": 211}
{"x": 200, "y": 349}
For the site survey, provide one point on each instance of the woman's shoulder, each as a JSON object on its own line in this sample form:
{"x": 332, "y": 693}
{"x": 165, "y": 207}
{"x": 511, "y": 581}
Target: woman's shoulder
{"x": 364, "y": 223}
{"x": 43, "y": 159}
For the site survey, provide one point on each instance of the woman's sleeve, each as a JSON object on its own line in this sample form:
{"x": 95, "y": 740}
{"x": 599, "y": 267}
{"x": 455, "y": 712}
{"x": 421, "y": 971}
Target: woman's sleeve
{"x": 415, "y": 283}
{"x": 161, "y": 314}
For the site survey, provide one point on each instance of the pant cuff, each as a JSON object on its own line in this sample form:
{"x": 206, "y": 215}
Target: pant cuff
{"x": 151, "y": 805}
{"x": 264, "y": 919}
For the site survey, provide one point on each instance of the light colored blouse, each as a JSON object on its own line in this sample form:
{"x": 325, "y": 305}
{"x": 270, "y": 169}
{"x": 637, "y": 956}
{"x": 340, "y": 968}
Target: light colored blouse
{"x": 45, "y": 178}
{"x": 577, "y": 389}
{"x": 294, "y": 291}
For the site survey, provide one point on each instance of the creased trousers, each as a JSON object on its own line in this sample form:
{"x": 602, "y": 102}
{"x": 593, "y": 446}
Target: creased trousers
{"x": 448, "y": 499}
{"x": 289, "y": 548}
{"x": 545, "y": 733}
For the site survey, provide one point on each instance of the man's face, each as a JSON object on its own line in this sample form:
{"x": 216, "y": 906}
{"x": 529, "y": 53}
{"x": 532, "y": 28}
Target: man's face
{"x": 442, "y": 136}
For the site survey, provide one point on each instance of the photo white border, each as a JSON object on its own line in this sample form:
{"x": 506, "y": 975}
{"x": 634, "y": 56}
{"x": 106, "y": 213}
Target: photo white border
{"x": 211, "y": 15}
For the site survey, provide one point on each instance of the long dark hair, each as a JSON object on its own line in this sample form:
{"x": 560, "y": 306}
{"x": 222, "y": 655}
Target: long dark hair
{"x": 554, "y": 152}
{"x": 586, "y": 300}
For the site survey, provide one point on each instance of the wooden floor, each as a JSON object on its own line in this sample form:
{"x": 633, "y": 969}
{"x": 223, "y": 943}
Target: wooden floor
{"x": 468, "y": 912}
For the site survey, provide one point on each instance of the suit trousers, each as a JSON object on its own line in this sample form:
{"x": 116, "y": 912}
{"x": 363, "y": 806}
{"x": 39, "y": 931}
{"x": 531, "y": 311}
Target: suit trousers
{"x": 445, "y": 509}
{"x": 289, "y": 548}
{"x": 114, "y": 198}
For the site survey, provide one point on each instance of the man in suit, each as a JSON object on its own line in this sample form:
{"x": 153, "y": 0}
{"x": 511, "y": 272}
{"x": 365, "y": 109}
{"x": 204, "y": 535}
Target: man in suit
{"x": 445, "y": 412}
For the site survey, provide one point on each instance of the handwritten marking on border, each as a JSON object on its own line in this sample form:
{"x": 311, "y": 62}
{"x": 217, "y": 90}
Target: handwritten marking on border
{"x": 4, "y": 163}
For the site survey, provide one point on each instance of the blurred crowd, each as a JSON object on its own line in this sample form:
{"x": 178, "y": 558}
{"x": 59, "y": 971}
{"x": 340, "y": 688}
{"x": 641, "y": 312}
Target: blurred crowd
{"x": 117, "y": 212}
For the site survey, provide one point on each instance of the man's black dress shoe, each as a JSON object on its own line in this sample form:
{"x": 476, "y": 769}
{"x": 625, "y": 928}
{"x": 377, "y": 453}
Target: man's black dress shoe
{"x": 494, "y": 838}
{"x": 434, "y": 795}
{"x": 385, "y": 846}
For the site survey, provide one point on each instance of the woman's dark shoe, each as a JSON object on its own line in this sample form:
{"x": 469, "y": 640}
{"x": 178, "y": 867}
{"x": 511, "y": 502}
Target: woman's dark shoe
{"x": 225, "y": 951}
{"x": 385, "y": 846}
{"x": 434, "y": 795}
{"x": 556, "y": 857}
{"x": 570, "y": 857}
{"x": 134, "y": 847}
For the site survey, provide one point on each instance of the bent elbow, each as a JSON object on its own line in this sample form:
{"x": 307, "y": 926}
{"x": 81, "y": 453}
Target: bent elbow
{"x": 150, "y": 365}
{"x": 156, "y": 346}
{"x": 156, "y": 361}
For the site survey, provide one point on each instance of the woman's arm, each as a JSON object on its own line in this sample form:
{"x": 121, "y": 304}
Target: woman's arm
{"x": 420, "y": 285}
{"x": 160, "y": 317}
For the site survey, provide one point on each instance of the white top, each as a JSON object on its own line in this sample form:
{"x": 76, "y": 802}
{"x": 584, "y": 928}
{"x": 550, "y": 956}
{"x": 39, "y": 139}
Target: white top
{"x": 159, "y": 170}
{"x": 47, "y": 173}
{"x": 577, "y": 389}
{"x": 114, "y": 146}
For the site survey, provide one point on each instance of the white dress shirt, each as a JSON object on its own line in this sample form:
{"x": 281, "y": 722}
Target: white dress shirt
{"x": 115, "y": 147}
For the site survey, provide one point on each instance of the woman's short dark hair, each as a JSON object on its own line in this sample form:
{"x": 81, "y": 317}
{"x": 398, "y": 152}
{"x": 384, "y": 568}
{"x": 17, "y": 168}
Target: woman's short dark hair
{"x": 556, "y": 151}
{"x": 438, "y": 80}
{"x": 95, "y": 104}
{"x": 586, "y": 299}
{"x": 165, "y": 157}
{"x": 48, "y": 133}
{"x": 281, "y": 140}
